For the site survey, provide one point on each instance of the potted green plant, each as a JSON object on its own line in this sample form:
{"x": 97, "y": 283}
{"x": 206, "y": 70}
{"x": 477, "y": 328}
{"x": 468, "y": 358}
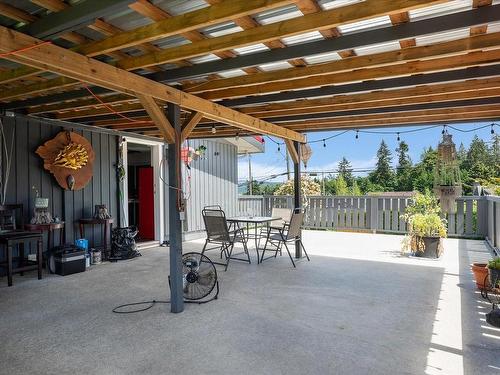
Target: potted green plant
{"x": 494, "y": 271}
{"x": 426, "y": 227}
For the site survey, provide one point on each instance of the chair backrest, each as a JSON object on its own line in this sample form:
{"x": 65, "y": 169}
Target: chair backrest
{"x": 215, "y": 223}
{"x": 295, "y": 224}
{"x": 8, "y": 217}
{"x": 284, "y": 213}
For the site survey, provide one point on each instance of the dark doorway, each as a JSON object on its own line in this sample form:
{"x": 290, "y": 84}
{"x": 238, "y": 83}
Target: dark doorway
{"x": 141, "y": 190}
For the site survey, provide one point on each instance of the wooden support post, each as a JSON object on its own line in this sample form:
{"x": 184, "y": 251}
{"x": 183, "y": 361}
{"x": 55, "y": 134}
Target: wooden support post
{"x": 296, "y": 190}
{"x": 175, "y": 227}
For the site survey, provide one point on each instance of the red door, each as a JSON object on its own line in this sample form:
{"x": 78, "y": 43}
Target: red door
{"x": 146, "y": 203}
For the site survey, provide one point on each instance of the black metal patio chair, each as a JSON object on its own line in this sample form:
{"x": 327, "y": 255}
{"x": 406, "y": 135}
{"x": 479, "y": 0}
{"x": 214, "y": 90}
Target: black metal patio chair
{"x": 219, "y": 234}
{"x": 290, "y": 233}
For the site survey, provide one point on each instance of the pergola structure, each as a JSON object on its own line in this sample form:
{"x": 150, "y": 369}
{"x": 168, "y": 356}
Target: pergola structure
{"x": 223, "y": 68}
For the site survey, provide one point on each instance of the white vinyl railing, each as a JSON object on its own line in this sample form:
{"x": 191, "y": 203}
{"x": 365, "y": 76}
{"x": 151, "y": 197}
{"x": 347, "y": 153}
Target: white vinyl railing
{"x": 474, "y": 217}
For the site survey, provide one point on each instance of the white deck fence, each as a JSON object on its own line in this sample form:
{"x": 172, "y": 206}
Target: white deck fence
{"x": 475, "y": 216}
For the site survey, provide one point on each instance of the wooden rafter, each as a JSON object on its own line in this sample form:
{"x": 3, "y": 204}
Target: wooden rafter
{"x": 449, "y": 48}
{"x": 292, "y": 151}
{"x": 50, "y": 57}
{"x": 183, "y": 23}
{"x": 413, "y": 67}
{"x": 315, "y": 21}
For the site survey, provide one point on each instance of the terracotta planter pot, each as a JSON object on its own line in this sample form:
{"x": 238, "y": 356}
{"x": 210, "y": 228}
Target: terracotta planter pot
{"x": 480, "y": 272}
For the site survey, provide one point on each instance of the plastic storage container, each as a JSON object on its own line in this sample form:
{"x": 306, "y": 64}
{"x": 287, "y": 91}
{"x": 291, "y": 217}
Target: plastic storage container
{"x": 69, "y": 262}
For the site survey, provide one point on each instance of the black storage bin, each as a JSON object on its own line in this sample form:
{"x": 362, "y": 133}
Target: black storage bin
{"x": 69, "y": 262}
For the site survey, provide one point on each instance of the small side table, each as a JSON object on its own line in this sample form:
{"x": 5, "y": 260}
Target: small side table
{"x": 48, "y": 228}
{"x": 20, "y": 238}
{"x": 107, "y": 227}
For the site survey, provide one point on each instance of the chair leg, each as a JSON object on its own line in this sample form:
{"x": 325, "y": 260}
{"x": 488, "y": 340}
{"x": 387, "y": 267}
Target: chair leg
{"x": 9, "y": 265}
{"x": 303, "y": 248}
{"x": 20, "y": 248}
{"x": 229, "y": 257}
{"x": 265, "y": 248}
{"x": 204, "y": 247}
{"x": 39, "y": 258}
{"x": 290, "y": 255}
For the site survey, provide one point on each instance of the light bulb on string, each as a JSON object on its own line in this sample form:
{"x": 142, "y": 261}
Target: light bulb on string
{"x": 213, "y": 129}
{"x": 444, "y": 129}
{"x": 492, "y": 131}
{"x": 357, "y": 134}
{"x": 399, "y": 138}
{"x": 324, "y": 143}
{"x": 279, "y": 148}
{"x": 237, "y": 137}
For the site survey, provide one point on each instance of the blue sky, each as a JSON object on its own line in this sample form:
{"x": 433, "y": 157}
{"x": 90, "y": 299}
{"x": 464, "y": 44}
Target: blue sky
{"x": 360, "y": 152}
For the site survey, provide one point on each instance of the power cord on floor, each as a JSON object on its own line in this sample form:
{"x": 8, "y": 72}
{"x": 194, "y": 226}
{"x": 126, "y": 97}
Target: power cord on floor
{"x": 117, "y": 309}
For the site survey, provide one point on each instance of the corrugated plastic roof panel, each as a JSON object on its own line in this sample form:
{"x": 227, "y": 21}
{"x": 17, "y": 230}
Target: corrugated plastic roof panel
{"x": 232, "y": 73}
{"x": 204, "y": 58}
{"x": 278, "y": 14}
{"x": 440, "y": 9}
{"x": 251, "y": 49}
{"x": 302, "y": 38}
{"x": 322, "y": 58}
{"x": 493, "y": 27}
{"x": 330, "y": 4}
{"x": 378, "y": 48}
{"x": 221, "y": 29}
{"x": 176, "y": 7}
{"x": 442, "y": 37}
{"x": 275, "y": 66}
{"x": 372, "y": 23}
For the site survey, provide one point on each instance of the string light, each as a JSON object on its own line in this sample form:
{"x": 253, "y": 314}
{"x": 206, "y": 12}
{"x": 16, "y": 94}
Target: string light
{"x": 213, "y": 129}
{"x": 237, "y": 137}
{"x": 398, "y": 134}
{"x": 279, "y": 148}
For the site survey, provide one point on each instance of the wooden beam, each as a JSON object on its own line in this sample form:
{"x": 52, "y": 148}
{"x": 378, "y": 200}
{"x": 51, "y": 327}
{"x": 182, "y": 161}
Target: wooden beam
{"x": 158, "y": 116}
{"x": 225, "y": 11}
{"x": 403, "y": 31}
{"x": 292, "y": 151}
{"x": 450, "y": 48}
{"x": 418, "y": 94}
{"x": 67, "y": 63}
{"x": 477, "y": 58}
{"x": 311, "y": 22}
{"x": 189, "y": 124}
{"x": 72, "y": 18}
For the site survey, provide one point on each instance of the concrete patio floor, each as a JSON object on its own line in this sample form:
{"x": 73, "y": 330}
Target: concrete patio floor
{"x": 357, "y": 308}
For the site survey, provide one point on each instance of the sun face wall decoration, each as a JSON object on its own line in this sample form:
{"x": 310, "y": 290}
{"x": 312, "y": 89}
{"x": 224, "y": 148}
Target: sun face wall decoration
{"x": 70, "y": 158}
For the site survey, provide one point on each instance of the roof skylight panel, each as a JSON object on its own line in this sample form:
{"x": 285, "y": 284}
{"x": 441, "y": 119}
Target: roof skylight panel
{"x": 440, "y": 9}
{"x": 204, "y": 58}
{"x": 275, "y": 66}
{"x": 232, "y": 73}
{"x": 322, "y": 57}
{"x": 302, "y": 38}
{"x": 371, "y": 23}
{"x": 442, "y": 37}
{"x": 378, "y": 48}
{"x": 171, "y": 41}
{"x": 330, "y": 4}
{"x": 493, "y": 27}
{"x": 259, "y": 47}
{"x": 221, "y": 29}
{"x": 176, "y": 7}
{"x": 278, "y": 14}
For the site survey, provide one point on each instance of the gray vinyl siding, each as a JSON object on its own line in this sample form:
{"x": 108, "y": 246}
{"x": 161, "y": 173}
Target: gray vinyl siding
{"x": 27, "y": 171}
